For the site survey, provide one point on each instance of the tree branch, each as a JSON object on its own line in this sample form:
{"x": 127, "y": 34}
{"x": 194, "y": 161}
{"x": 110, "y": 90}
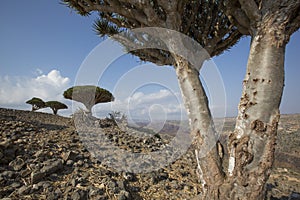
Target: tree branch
{"x": 209, "y": 21}
{"x": 168, "y": 5}
{"x": 148, "y": 10}
{"x": 116, "y": 21}
{"x": 113, "y": 6}
{"x": 237, "y": 16}
{"x": 173, "y": 20}
{"x": 145, "y": 50}
{"x": 154, "y": 56}
{"x": 294, "y": 24}
{"x": 251, "y": 10}
{"x": 231, "y": 40}
{"x": 180, "y": 6}
{"x": 151, "y": 14}
{"x": 190, "y": 18}
{"x": 89, "y": 2}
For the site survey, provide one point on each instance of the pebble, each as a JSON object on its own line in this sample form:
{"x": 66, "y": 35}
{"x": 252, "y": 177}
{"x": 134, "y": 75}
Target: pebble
{"x": 24, "y": 190}
{"x": 69, "y": 162}
{"x": 17, "y": 164}
{"x": 15, "y": 185}
{"x": 124, "y": 195}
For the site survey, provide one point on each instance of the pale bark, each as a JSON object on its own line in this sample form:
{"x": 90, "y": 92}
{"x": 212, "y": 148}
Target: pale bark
{"x": 252, "y": 144}
{"x": 202, "y": 129}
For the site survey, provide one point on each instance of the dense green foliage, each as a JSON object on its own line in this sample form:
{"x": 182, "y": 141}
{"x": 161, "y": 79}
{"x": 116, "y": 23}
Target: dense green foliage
{"x": 55, "y": 106}
{"x": 89, "y": 95}
{"x": 36, "y": 103}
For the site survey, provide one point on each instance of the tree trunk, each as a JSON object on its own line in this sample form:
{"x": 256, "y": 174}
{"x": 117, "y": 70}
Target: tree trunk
{"x": 54, "y": 111}
{"x": 202, "y": 129}
{"x": 251, "y": 146}
{"x": 89, "y": 108}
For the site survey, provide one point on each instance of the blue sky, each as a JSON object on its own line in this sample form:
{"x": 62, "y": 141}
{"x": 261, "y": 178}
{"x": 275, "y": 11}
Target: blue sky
{"x": 44, "y": 49}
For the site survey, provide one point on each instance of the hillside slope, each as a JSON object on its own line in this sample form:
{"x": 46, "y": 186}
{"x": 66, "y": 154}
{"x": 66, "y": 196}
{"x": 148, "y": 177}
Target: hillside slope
{"x": 43, "y": 156}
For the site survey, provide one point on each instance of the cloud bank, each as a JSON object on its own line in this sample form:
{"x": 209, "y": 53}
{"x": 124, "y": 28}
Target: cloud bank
{"x": 162, "y": 104}
{"x": 15, "y": 91}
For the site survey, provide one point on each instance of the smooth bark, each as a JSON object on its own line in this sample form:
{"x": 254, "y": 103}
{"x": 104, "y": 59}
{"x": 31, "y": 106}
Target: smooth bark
{"x": 252, "y": 144}
{"x": 202, "y": 129}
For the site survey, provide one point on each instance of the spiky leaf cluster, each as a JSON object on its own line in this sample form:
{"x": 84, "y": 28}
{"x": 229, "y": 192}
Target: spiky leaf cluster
{"x": 202, "y": 20}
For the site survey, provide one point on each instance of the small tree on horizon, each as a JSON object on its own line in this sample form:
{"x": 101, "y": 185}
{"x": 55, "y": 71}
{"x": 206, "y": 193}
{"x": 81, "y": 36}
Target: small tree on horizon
{"x": 89, "y": 95}
{"x": 55, "y": 106}
{"x": 36, "y": 103}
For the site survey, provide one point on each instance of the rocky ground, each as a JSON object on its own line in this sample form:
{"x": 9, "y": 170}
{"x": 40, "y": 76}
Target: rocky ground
{"x": 43, "y": 156}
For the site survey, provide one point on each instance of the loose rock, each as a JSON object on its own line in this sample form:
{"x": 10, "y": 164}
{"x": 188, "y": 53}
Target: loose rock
{"x": 43, "y": 156}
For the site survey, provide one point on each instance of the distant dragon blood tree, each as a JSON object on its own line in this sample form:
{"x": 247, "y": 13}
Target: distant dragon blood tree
{"x": 89, "y": 95}
{"x": 36, "y": 103}
{"x": 55, "y": 106}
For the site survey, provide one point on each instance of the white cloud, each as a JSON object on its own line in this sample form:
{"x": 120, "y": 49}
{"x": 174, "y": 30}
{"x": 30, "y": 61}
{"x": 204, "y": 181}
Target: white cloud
{"x": 162, "y": 104}
{"x": 14, "y": 91}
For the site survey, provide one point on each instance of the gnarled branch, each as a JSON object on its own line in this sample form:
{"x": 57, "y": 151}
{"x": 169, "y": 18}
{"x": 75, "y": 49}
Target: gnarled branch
{"x": 251, "y": 9}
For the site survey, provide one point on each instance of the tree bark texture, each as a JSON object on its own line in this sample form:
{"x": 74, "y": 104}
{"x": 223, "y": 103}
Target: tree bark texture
{"x": 251, "y": 146}
{"x": 202, "y": 128}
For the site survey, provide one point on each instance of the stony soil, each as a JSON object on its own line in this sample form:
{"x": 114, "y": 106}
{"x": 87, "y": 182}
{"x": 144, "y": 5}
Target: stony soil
{"x": 43, "y": 156}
